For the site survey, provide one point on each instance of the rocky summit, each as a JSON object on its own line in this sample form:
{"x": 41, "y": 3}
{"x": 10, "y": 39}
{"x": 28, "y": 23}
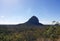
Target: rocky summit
{"x": 33, "y": 21}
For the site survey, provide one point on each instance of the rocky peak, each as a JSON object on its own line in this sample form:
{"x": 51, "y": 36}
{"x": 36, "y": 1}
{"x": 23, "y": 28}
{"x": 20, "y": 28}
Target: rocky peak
{"x": 33, "y": 21}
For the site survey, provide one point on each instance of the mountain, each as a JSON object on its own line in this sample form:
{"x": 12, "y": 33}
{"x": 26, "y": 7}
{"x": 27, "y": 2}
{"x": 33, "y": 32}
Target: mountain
{"x": 33, "y": 21}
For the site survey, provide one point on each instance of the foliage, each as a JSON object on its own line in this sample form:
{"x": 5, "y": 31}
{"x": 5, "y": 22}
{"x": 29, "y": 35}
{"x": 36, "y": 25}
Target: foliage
{"x": 24, "y": 33}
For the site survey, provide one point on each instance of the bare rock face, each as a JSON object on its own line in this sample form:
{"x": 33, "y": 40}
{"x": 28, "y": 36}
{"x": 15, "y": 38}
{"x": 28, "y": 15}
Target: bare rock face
{"x": 33, "y": 21}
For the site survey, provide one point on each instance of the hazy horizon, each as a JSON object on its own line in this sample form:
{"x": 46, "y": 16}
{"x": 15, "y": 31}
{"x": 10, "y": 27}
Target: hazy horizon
{"x": 19, "y": 11}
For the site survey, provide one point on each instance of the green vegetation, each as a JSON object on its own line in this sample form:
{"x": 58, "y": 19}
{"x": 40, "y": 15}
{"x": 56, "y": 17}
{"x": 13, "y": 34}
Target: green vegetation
{"x": 29, "y": 33}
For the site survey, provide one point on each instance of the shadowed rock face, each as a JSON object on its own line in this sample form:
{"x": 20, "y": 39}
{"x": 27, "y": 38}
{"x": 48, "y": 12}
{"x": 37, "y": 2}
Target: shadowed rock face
{"x": 33, "y": 21}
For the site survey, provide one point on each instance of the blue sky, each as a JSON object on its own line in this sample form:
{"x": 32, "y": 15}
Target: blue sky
{"x": 19, "y": 11}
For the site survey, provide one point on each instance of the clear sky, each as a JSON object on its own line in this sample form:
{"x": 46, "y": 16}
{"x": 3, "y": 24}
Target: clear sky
{"x": 19, "y": 11}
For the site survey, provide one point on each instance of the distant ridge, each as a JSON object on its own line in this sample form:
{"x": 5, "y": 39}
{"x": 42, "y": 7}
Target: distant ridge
{"x": 33, "y": 21}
